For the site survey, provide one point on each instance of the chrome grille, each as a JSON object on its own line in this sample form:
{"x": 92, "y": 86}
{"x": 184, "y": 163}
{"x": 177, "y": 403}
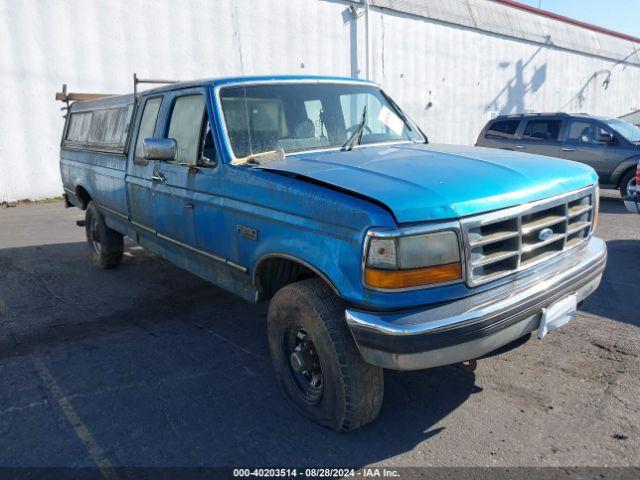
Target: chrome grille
{"x": 507, "y": 241}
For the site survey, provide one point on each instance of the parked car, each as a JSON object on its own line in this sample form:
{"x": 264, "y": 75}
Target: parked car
{"x": 376, "y": 249}
{"x": 609, "y": 145}
{"x": 632, "y": 201}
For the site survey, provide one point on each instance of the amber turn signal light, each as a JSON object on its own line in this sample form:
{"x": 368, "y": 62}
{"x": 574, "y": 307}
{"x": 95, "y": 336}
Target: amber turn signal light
{"x": 414, "y": 277}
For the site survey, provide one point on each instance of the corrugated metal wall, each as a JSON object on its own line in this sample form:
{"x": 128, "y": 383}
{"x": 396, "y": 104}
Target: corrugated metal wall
{"x": 471, "y": 58}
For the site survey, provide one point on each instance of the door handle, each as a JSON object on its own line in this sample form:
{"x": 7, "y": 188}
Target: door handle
{"x": 567, "y": 149}
{"x": 158, "y": 177}
{"x": 520, "y": 147}
{"x": 188, "y": 205}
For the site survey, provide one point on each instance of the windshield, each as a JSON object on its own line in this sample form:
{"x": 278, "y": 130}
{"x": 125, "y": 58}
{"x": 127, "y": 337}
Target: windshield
{"x": 627, "y": 130}
{"x": 296, "y": 117}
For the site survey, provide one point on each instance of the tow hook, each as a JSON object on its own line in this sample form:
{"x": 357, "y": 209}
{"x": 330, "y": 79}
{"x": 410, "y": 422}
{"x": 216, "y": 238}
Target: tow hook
{"x": 469, "y": 366}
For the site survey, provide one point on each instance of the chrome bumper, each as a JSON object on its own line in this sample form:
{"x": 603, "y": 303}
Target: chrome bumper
{"x": 632, "y": 203}
{"x": 474, "y": 326}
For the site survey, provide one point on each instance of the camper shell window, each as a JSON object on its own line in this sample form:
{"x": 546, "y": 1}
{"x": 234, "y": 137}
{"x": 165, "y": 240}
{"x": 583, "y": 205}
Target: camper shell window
{"x": 101, "y": 129}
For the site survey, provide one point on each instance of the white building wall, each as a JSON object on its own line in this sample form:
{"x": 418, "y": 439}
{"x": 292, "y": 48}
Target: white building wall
{"x": 466, "y": 72}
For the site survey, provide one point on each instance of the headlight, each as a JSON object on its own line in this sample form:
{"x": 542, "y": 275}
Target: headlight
{"x": 413, "y": 260}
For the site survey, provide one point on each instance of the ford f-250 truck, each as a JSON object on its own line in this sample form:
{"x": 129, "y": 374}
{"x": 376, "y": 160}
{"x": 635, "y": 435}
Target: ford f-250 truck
{"x": 376, "y": 249}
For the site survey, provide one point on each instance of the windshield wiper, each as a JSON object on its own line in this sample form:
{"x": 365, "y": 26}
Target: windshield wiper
{"x": 356, "y": 138}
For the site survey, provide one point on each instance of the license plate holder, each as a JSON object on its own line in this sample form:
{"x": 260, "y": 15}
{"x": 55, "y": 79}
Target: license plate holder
{"x": 557, "y": 314}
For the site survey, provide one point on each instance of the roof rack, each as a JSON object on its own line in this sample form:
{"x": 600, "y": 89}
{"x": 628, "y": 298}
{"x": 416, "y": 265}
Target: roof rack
{"x": 542, "y": 114}
{"x": 68, "y": 97}
{"x": 137, "y": 81}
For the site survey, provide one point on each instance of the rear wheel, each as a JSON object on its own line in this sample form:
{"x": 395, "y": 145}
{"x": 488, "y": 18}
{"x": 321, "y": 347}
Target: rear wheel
{"x": 105, "y": 245}
{"x": 316, "y": 360}
{"x": 628, "y": 183}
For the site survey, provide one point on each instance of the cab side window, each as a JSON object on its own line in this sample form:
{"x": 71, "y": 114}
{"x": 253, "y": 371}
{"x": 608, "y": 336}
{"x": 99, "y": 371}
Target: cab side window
{"x": 502, "y": 129}
{"x": 585, "y": 133}
{"x": 186, "y": 127}
{"x": 147, "y": 126}
{"x": 542, "y": 130}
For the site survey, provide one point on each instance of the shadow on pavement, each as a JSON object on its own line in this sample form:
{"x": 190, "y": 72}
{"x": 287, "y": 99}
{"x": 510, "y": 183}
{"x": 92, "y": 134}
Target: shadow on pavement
{"x": 617, "y": 297}
{"x": 165, "y": 369}
{"x": 612, "y": 204}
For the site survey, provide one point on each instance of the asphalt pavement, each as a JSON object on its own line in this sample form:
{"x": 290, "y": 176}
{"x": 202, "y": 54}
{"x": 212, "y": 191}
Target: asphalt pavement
{"x": 148, "y": 365}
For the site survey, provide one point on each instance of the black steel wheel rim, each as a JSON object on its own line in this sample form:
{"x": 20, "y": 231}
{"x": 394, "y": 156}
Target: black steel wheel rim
{"x": 303, "y": 364}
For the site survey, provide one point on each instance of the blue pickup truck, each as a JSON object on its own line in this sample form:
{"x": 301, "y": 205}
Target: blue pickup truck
{"x": 375, "y": 248}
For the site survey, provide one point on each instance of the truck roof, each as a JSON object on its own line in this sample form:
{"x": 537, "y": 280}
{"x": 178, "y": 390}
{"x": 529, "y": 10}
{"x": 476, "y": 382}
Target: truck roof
{"x": 259, "y": 79}
{"x": 114, "y": 101}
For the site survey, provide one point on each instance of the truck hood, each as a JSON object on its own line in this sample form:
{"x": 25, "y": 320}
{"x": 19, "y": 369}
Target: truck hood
{"x": 420, "y": 182}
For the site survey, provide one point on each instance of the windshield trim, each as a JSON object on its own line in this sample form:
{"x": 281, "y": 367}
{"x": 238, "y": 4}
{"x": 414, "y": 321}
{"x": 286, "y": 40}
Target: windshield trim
{"x": 223, "y": 123}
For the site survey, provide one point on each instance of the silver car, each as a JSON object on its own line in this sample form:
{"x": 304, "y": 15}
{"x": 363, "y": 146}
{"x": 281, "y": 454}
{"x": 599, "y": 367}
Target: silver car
{"x": 610, "y": 146}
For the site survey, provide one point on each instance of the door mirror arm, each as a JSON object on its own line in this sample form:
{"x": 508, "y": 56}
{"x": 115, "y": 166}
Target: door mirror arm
{"x": 207, "y": 162}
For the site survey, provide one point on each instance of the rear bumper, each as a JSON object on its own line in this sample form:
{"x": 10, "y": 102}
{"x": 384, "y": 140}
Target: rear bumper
{"x": 632, "y": 203}
{"x": 476, "y": 325}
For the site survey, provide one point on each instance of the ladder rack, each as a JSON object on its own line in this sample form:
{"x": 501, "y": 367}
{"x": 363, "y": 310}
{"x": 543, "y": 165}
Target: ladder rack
{"x": 137, "y": 81}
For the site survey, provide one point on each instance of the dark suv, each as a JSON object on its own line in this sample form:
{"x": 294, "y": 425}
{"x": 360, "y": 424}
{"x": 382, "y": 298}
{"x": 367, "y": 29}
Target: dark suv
{"x": 610, "y": 146}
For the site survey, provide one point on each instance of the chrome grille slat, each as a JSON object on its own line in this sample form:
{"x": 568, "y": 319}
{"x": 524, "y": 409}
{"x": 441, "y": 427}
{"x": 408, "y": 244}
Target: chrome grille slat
{"x": 579, "y": 211}
{"x": 494, "y": 237}
{"x": 493, "y": 258}
{"x": 533, "y": 246}
{"x": 507, "y": 241}
{"x": 542, "y": 223}
{"x": 581, "y": 226}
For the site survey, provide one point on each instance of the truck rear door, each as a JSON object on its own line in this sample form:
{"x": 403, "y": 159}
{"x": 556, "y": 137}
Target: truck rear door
{"x": 583, "y": 143}
{"x": 139, "y": 170}
{"x": 540, "y": 136}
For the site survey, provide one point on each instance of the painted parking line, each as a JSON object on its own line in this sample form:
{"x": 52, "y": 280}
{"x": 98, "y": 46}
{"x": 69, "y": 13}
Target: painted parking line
{"x": 76, "y": 422}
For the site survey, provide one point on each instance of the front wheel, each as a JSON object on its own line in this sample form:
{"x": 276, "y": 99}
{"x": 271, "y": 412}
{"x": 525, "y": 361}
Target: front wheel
{"x": 627, "y": 184}
{"x": 105, "y": 245}
{"x": 316, "y": 360}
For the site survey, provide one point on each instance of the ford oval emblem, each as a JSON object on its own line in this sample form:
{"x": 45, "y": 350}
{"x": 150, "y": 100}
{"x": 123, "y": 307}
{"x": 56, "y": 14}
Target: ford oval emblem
{"x": 545, "y": 234}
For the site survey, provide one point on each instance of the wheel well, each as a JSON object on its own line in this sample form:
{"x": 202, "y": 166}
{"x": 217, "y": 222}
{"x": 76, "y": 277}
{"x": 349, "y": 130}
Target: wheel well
{"x": 275, "y": 272}
{"x": 624, "y": 173}
{"x": 83, "y": 196}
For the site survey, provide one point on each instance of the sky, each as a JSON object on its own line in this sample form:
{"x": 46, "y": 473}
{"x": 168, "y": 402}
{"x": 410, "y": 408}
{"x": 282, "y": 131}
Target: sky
{"x": 620, "y": 15}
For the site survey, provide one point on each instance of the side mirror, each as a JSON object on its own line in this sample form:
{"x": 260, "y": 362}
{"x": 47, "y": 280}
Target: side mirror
{"x": 164, "y": 149}
{"x": 606, "y": 138}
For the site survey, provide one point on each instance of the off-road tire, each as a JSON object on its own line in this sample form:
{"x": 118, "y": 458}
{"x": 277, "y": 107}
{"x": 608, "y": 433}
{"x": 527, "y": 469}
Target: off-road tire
{"x": 352, "y": 389}
{"x": 111, "y": 243}
{"x": 624, "y": 183}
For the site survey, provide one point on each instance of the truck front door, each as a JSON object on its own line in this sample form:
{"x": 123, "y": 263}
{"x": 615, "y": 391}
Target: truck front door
{"x": 583, "y": 143}
{"x": 188, "y": 202}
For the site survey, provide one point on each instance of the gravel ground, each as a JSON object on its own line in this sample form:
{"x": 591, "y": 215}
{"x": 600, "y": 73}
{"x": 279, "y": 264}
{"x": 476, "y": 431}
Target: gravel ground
{"x": 148, "y": 365}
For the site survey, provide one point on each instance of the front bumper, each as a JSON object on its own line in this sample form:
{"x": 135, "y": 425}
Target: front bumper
{"x": 632, "y": 203}
{"x": 479, "y": 324}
